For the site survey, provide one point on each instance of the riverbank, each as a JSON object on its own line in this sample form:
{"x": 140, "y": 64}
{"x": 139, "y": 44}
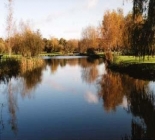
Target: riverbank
{"x": 69, "y": 54}
{"x": 14, "y": 67}
{"x": 53, "y": 54}
{"x": 134, "y": 67}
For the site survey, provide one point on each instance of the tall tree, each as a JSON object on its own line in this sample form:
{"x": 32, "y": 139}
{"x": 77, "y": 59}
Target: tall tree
{"x": 9, "y": 23}
{"x": 127, "y": 33}
{"x": 112, "y": 29}
{"x": 27, "y": 42}
{"x": 146, "y": 30}
{"x": 32, "y": 42}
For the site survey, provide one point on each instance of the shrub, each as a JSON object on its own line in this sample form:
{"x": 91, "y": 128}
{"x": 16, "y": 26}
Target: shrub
{"x": 109, "y": 57}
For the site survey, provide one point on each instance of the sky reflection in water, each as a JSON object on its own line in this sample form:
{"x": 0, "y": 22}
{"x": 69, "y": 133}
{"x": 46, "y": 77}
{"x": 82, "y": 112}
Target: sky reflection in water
{"x": 75, "y": 99}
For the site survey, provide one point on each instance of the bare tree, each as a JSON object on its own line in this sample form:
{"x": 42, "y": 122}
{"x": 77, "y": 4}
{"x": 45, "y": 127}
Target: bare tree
{"x": 9, "y": 23}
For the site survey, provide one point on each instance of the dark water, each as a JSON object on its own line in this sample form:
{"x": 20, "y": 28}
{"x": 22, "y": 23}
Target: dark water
{"x": 74, "y": 99}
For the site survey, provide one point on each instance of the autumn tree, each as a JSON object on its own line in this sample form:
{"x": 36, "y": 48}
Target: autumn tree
{"x": 89, "y": 38}
{"x": 47, "y": 45}
{"x": 72, "y": 45}
{"x": 82, "y": 46}
{"x": 32, "y": 42}
{"x": 27, "y": 42}
{"x": 127, "y": 33}
{"x": 112, "y": 29}
{"x": 2, "y": 45}
{"x": 51, "y": 45}
{"x": 54, "y": 42}
{"x": 62, "y": 44}
{"x": 17, "y": 43}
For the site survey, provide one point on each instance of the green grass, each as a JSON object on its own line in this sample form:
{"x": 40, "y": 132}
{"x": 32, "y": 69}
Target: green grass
{"x": 132, "y": 59}
{"x": 50, "y": 54}
{"x": 100, "y": 53}
{"x": 20, "y": 56}
{"x": 12, "y": 56}
{"x": 5, "y": 56}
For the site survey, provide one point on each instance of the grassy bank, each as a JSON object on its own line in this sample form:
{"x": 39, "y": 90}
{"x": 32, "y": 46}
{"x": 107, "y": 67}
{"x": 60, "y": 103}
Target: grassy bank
{"x": 133, "y": 59}
{"x": 134, "y": 66}
{"x": 51, "y": 54}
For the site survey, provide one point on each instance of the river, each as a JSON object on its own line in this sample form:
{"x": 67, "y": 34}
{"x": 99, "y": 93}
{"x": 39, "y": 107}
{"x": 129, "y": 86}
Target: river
{"x": 74, "y": 98}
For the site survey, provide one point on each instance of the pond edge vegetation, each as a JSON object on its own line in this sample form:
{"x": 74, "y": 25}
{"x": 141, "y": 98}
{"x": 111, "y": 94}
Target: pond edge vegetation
{"x": 131, "y": 65}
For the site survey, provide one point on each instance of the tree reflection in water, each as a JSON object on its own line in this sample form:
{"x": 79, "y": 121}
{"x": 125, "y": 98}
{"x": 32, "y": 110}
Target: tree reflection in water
{"x": 89, "y": 72}
{"x": 1, "y": 119}
{"x": 111, "y": 91}
{"x": 30, "y": 80}
{"x": 30, "y": 72}
{"x": 55, "y": 63}
{"x": 22, "y": 77}
{"x": 114, "y": 86}
{"x": 142, "y": 106}
{"x": 9, "y": 69}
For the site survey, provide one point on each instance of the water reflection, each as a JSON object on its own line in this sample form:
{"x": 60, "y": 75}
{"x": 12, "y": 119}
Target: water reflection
{"x": 9, "y": 69}
{"x": 30, "y": 80}
{"x": 142, "y": 106}
{"x": 23, "y": 77}
{"x": 114, "y": 86}
{"x": 113, "y": 90}
{"x": 1, "y": 118}
{"x": 140, "y": 102}
{"x": 12, "y": 105}
{"x": 19, "y": 77}
{"x": 89, "y": 71}
{"x": 91, "y": 97}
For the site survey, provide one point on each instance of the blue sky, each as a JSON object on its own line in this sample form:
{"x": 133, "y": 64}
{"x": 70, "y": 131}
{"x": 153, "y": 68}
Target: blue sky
{"x": 60, "y": 18}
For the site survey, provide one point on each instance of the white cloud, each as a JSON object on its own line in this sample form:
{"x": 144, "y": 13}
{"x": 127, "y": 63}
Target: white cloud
{"x": 92, "y": 3}
{"x": 91, "y": 98}
{"x": 71, "y": 31}
{"x": 124, "y": 102}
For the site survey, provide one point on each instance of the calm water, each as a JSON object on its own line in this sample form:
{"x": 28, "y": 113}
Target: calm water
{"x": 75, "y": 99}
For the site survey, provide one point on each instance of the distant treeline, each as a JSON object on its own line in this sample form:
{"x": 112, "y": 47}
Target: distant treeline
{"x": 133, "y": 33}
